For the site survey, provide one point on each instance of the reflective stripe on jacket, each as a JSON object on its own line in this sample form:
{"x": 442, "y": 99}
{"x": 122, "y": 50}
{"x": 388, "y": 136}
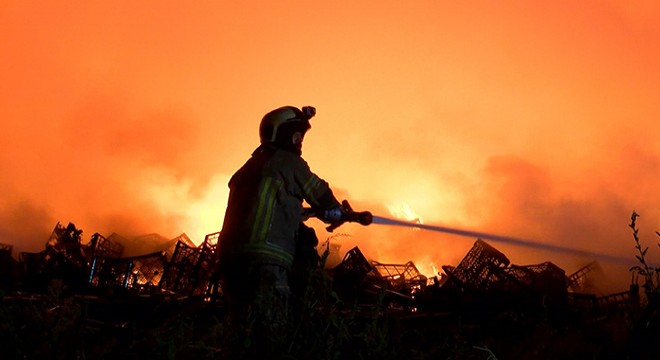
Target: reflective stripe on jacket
{"x": 265, "y": 206}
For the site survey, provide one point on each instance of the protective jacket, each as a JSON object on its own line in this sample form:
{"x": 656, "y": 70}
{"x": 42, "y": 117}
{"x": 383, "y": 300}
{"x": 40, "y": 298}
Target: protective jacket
{"x": 265, "y": 207}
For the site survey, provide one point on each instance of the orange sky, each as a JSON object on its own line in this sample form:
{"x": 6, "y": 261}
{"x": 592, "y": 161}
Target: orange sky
{"x": 530, "y": 119}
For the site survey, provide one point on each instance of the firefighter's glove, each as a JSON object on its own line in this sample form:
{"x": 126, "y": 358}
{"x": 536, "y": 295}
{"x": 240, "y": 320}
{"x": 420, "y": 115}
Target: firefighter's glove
{"x": 334, "y": 215}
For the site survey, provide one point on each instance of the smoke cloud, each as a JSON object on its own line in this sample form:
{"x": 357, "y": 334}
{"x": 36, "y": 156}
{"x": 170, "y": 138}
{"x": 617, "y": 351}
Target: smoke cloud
{"x": 533, "y": 120}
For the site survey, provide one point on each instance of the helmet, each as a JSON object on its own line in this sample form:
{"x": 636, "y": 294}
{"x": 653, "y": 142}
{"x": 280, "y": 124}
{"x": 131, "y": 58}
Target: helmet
{"x": 284, "y": 117}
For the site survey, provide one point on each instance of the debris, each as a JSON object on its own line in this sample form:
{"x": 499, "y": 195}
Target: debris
{"x": 579, "y": 281}
{"x": 190, "y": 267}
{"x": 479, "y": 269}
{"x": 483, "y": 293}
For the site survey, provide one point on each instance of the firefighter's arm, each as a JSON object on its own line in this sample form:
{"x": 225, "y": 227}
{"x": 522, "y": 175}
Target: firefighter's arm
{"x": 324, "y": 205}
{"x": 315, "y": 190}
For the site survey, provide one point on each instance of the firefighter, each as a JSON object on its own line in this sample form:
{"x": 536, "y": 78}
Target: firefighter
{"x": 261, "y": 228}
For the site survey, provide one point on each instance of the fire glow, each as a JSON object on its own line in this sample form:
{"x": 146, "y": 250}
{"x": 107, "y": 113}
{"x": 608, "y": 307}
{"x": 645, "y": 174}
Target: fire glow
{"x": 537, "y": 120}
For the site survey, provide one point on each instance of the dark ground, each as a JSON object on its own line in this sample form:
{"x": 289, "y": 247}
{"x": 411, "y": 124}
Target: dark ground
{"x": 58, "y": 324}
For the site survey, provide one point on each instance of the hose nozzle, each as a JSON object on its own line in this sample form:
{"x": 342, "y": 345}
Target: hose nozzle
{"x": 361, "y": 217}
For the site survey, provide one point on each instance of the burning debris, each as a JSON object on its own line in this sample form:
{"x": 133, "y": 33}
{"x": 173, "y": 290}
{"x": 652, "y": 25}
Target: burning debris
{"x": 484, "y": 287}
{"x": 102, "y": 264}
{"x": 178, "y": 266}
{"x": 190, "y": 267}
{"x": 484, "y": 278}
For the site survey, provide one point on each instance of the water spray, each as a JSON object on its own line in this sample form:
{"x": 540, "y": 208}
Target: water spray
{"x": 366, "y": 218}
{"x": 501, "y": 238}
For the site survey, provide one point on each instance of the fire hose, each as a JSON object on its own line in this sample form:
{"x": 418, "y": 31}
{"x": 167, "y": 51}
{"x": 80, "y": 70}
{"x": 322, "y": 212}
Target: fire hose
{"x": 366, "y": 218}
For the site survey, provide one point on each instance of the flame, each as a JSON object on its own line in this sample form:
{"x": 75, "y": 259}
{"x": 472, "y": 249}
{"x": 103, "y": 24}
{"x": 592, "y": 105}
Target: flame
{"x": 403, "y": 211}
{"x": 426, "y": 268}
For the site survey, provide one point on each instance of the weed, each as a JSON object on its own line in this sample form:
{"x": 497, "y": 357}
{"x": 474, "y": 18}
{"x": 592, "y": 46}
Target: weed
{"x": 650, "y": 274}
